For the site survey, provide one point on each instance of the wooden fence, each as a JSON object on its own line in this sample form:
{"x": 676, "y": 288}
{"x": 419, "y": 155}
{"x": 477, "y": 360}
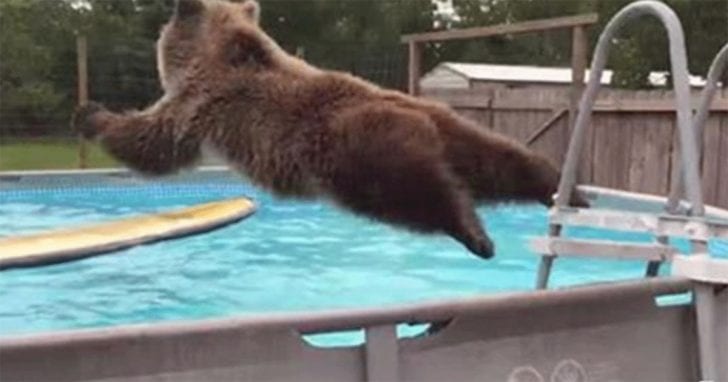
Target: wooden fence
{"x": 630, "y": 142}
{"x": 577, "y": 24}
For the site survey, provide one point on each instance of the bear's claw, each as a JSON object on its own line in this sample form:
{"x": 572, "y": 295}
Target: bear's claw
{"x": 481, "y": 247}
{"x": 81, "y": 119}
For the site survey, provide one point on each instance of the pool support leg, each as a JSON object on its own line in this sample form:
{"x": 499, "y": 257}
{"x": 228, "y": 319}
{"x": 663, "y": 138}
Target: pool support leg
{"x": 547, "y": 261}
{"x": 382, "y": 353}
{"x": 544, "y": 271}
{"x": 653, "y": 267}
{"x": 705, "y": 307}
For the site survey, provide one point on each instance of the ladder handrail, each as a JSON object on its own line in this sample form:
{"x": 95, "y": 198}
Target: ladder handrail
{"x": 690, "y": 130}
{"x": 717, "y": 67}
{"x": 678, "y": 62}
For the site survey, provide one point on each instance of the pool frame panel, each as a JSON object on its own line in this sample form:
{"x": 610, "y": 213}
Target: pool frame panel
{"x": 610, "y": 331}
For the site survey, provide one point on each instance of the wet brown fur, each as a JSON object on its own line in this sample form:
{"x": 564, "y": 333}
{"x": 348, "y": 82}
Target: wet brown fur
{"x": 303, "y": 132}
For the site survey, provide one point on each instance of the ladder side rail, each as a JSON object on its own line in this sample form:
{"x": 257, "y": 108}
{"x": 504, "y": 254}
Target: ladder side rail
{"x": 717, "y": 67}
{"x": 678, "y": 62}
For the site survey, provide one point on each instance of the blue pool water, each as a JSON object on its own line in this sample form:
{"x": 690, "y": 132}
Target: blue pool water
{"x": 289, "y": 256}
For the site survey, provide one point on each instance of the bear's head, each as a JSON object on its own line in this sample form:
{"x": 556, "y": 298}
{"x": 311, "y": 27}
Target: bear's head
{"x": 211, "y": 37}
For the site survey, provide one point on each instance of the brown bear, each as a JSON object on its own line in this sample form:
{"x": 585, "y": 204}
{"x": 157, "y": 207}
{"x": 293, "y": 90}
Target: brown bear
{"x": 299, "y": 131}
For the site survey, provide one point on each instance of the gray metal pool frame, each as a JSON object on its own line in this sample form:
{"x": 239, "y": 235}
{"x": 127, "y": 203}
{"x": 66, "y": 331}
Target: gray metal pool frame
{"x": 605, "y": 332}
{"x": 609, "y": 332}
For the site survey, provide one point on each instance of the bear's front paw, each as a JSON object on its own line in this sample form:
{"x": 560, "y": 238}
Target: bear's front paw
{"x": 579, "y": 200}
{"x": 82, "y": 119}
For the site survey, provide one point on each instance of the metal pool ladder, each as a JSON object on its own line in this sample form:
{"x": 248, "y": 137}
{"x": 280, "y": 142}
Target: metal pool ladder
{"x": 682, "y": 218}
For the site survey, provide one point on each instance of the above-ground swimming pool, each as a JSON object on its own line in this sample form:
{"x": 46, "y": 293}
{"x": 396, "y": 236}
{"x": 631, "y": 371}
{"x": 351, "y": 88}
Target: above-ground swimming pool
{"x": 289, "y": 256}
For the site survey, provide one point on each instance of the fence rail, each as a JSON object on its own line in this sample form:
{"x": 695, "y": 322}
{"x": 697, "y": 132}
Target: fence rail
{"x": 630, "y": 143}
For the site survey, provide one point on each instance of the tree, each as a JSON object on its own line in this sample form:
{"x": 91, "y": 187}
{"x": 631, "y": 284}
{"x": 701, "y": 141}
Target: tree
{"x": 639, "y": 49}
{"x": 31, "y": 41}
{"x": 37, "y": 44}
{"x": 542, "y": 49}
{"x": 357, "y": 36}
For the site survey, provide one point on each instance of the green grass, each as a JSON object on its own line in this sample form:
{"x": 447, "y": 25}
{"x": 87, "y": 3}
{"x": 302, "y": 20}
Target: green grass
{"x": 48, "y": 154}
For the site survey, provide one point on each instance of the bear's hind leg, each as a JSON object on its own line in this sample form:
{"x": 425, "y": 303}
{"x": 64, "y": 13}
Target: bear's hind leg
{"x": 393, "y": 171}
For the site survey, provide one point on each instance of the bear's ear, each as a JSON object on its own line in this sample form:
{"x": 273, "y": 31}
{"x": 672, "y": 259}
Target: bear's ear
{"x": 251, "y": 9}
{"x": 188, "y": 8}
{"x": 246, "y": 50}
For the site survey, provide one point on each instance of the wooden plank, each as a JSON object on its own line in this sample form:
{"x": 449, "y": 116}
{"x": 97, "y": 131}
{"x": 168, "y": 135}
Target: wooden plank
{"x": 675, "y": 166}
{"x": 658, "y": 150}
{"x": 415, "y": 68}
{"x": 457, "y": 101}
{"x": 502, "y": 29}
{"x": 621, "y": 146}
{"x": 650, "y": 105}
{"x": 612, "y": 145}
{"x": 551, "y": 143}
{"x": 637, "y": 156}
{"x": 610, "y": 157}
{"x": 711, "y": 166}
{"x": 650, "y": 153}
{"x": 601, "y": 105}
{"x": 527, "y": 104}
{"x": 82, "y": 68}
{"x": 723, "y": 164}
{"x": 473, "y": 115}
{"x": 521, "y": 124}
{"x": 545, "y": 126}
{"x": 578, "y": 67}
{"x": 473, "y": 104}
{"x": 514, "y": 123}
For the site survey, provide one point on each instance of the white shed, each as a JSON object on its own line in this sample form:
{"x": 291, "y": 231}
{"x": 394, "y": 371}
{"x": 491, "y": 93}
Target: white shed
{"x": 453, "y": 75}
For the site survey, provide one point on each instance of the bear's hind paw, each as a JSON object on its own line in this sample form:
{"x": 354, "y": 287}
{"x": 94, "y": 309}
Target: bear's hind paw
{"x": 482, "y": 247}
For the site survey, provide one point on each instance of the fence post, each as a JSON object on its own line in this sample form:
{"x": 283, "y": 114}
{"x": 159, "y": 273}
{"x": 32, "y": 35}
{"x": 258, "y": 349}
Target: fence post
{"x": 578, "y": 66}
{"x": 82, "y": 66}
{"x": 415, "y": 66}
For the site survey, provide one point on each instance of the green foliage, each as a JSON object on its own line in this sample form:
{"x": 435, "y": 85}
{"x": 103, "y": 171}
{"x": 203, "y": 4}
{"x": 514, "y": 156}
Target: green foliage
{"x": 631, "y": 69}
{"x": 641, "y": 49}
{"x": 121, "y": 35}
{"x": 38, "y": 74}
{"x": 544, "y": 49}
{"x": 38, "y": 51}
{"x": 643, "y": 45}
{"x": 362, "y": 37}
{"x": 32, "y": 34}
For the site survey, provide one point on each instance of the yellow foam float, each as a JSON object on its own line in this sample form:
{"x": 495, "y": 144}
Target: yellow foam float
{"x": 70, "y": 244}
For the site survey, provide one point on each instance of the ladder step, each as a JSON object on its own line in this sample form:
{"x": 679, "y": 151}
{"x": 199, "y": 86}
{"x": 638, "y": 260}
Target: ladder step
{"x": 557, "y": 246}
{"x": 661, "y": 225}
{"x": 701, "y": 268}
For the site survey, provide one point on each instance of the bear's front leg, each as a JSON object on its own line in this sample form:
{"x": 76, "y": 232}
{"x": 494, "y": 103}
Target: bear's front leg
{"x": 153, "y": 143}
{"x": 87, "y": 119}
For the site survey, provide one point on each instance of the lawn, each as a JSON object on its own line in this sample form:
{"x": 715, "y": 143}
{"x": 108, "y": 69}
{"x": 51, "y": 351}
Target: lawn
{"x": 48, "y": 154}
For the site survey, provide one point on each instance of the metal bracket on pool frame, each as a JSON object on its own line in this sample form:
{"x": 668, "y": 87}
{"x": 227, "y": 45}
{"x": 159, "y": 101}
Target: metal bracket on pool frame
{"x": 709, "y": 275}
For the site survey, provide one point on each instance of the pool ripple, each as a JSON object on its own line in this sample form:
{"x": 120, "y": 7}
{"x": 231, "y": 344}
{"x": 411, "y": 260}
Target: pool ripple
{"x": 289, "y": 256}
